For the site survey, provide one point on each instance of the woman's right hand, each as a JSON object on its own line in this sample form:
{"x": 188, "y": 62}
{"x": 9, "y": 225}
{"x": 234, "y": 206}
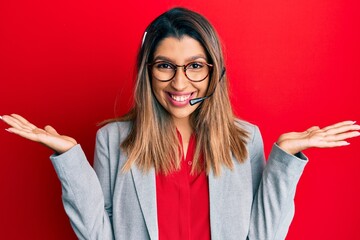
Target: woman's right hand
{"x": 47, "y": 136}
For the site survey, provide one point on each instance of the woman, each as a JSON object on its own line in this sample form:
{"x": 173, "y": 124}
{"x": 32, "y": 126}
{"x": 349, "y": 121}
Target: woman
{"x": 179, "y": 165}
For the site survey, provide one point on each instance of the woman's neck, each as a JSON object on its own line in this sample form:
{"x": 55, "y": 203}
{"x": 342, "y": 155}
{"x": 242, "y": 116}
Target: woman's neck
{"x": 185, "y": 129}
{"x": 183, "y": 126}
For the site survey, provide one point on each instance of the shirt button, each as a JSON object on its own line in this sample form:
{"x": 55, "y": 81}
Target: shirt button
{"x": 189, "y": 162}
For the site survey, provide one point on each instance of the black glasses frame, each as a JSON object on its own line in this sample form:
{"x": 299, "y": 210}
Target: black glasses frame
{"x": 184, "y": 67}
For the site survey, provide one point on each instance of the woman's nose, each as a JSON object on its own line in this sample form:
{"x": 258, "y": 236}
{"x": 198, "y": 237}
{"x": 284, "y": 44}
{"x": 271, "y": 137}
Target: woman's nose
{"x": 180, "y": 81}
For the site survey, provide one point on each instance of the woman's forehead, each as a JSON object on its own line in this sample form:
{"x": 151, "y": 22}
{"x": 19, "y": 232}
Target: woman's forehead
{"x": 184, "y": 48}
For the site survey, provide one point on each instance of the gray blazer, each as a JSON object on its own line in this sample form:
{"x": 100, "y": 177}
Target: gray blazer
{"x": 253, "y": 201}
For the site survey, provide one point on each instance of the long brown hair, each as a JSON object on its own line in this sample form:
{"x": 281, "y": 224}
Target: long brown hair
{"x": 153, "y": 141}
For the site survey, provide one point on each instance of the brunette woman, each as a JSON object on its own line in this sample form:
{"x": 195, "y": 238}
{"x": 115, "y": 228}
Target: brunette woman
{"x": 180, "y": 165}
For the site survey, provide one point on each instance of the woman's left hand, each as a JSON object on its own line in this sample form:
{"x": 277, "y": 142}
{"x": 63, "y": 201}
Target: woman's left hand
{"x": 331, "y": 136}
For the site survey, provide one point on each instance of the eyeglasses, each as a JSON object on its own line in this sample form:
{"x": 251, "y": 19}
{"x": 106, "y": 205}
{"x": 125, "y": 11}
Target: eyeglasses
{"x": 194, "y": 71}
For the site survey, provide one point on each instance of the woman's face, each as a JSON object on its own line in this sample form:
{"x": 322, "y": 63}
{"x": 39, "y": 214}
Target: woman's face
{"x": 175, "y": 94}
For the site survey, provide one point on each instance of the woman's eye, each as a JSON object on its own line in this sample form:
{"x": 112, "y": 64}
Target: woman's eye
{"x": 195, "y": 65}
{"x": 164, "y": 65}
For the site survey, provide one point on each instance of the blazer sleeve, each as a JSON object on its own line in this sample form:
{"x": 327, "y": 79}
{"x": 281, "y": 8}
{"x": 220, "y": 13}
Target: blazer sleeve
{"x": 274, "y": 185}
{"x": 82, "y": 194}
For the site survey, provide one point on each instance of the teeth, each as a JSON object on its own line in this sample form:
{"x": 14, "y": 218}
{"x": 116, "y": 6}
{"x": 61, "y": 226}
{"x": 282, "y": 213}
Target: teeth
{"x": 180, "y": 98}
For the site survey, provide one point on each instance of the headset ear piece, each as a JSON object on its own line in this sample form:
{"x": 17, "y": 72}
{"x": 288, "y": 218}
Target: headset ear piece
{"x": 143, "y": 39}
{"x": 222, "y": 73}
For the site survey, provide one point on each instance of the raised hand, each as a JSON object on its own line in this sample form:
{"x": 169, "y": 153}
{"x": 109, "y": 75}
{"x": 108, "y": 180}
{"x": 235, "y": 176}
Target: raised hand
{"x": 331, "y": 136}
{"x": 47, "y": 136}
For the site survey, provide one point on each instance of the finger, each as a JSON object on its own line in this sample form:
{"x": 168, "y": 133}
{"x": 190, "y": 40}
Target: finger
{"x": 16, "y": 123}
{"x": 13, "y": 122}
{"x": 69, "y": 139}
{"x": 297, "y": 135}
{"x": 342, "y": 129}
{"x": 314, "y": 128}
{"x": 25, "y": 134}
{"x": 334, "y": 144}
{"x": 51, "y": 130}
{"x": 291, "y": 135}
{"x": 339, "y": 124}
{"x": 342, "y": 136}
{"x": 23, "y": 120}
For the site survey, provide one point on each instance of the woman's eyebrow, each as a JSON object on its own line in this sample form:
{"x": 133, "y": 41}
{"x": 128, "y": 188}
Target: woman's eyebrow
{"x": 192, "y": 58}
{"x": 163, "y": 58}
{"x": 197, "y": 57}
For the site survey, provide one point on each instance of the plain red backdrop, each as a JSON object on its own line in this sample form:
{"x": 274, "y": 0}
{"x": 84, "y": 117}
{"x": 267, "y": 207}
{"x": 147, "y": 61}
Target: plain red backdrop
{"x": 291, "y": 64}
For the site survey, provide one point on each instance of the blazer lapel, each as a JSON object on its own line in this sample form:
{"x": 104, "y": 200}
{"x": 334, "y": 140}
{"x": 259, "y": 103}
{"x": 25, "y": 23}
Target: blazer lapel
{"x": 145, "y": 187}
{"x": 215, "y": 200}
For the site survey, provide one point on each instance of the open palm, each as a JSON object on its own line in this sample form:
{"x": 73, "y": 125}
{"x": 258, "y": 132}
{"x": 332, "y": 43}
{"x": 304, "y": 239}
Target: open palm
{"x": 47, "y": 136}
{"x": 331, "y": 136}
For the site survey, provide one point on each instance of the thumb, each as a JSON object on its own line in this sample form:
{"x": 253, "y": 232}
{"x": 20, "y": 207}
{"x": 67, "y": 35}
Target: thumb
{"x": 51, "y": 130}
{"x": 314, "y": 128}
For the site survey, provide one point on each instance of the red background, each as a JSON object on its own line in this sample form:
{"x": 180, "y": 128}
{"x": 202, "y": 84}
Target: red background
{"x": 291, "y": 64}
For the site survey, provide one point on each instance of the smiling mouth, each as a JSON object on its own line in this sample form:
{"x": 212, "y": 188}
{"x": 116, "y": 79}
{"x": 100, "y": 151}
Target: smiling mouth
{"x": 180, "y": 98}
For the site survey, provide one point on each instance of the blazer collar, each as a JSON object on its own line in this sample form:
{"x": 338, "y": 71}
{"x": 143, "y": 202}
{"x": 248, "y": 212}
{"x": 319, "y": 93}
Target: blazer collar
{"x": 146, "y": 191}
{"x": 145, "y": 186}
{"x": 215, "y": 193}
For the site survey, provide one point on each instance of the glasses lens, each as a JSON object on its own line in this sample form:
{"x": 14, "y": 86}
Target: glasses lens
{"x": 197, "y": 71}
{"x": 163, "y": 71}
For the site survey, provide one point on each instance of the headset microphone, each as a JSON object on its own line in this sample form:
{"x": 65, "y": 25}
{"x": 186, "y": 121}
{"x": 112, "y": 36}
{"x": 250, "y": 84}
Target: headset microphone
{"x": 201, "y": 99}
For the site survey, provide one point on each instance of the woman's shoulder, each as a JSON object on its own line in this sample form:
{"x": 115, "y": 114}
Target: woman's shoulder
{"x": 250, "y": 128}
{"x": 115, "y": 129}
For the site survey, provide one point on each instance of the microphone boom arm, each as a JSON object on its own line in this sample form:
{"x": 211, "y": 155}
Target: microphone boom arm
{"x": 201, "y": 99}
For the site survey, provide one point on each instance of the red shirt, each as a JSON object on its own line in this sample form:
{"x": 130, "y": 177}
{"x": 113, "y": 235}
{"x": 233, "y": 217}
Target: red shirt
{"x": 183, "y": 202}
